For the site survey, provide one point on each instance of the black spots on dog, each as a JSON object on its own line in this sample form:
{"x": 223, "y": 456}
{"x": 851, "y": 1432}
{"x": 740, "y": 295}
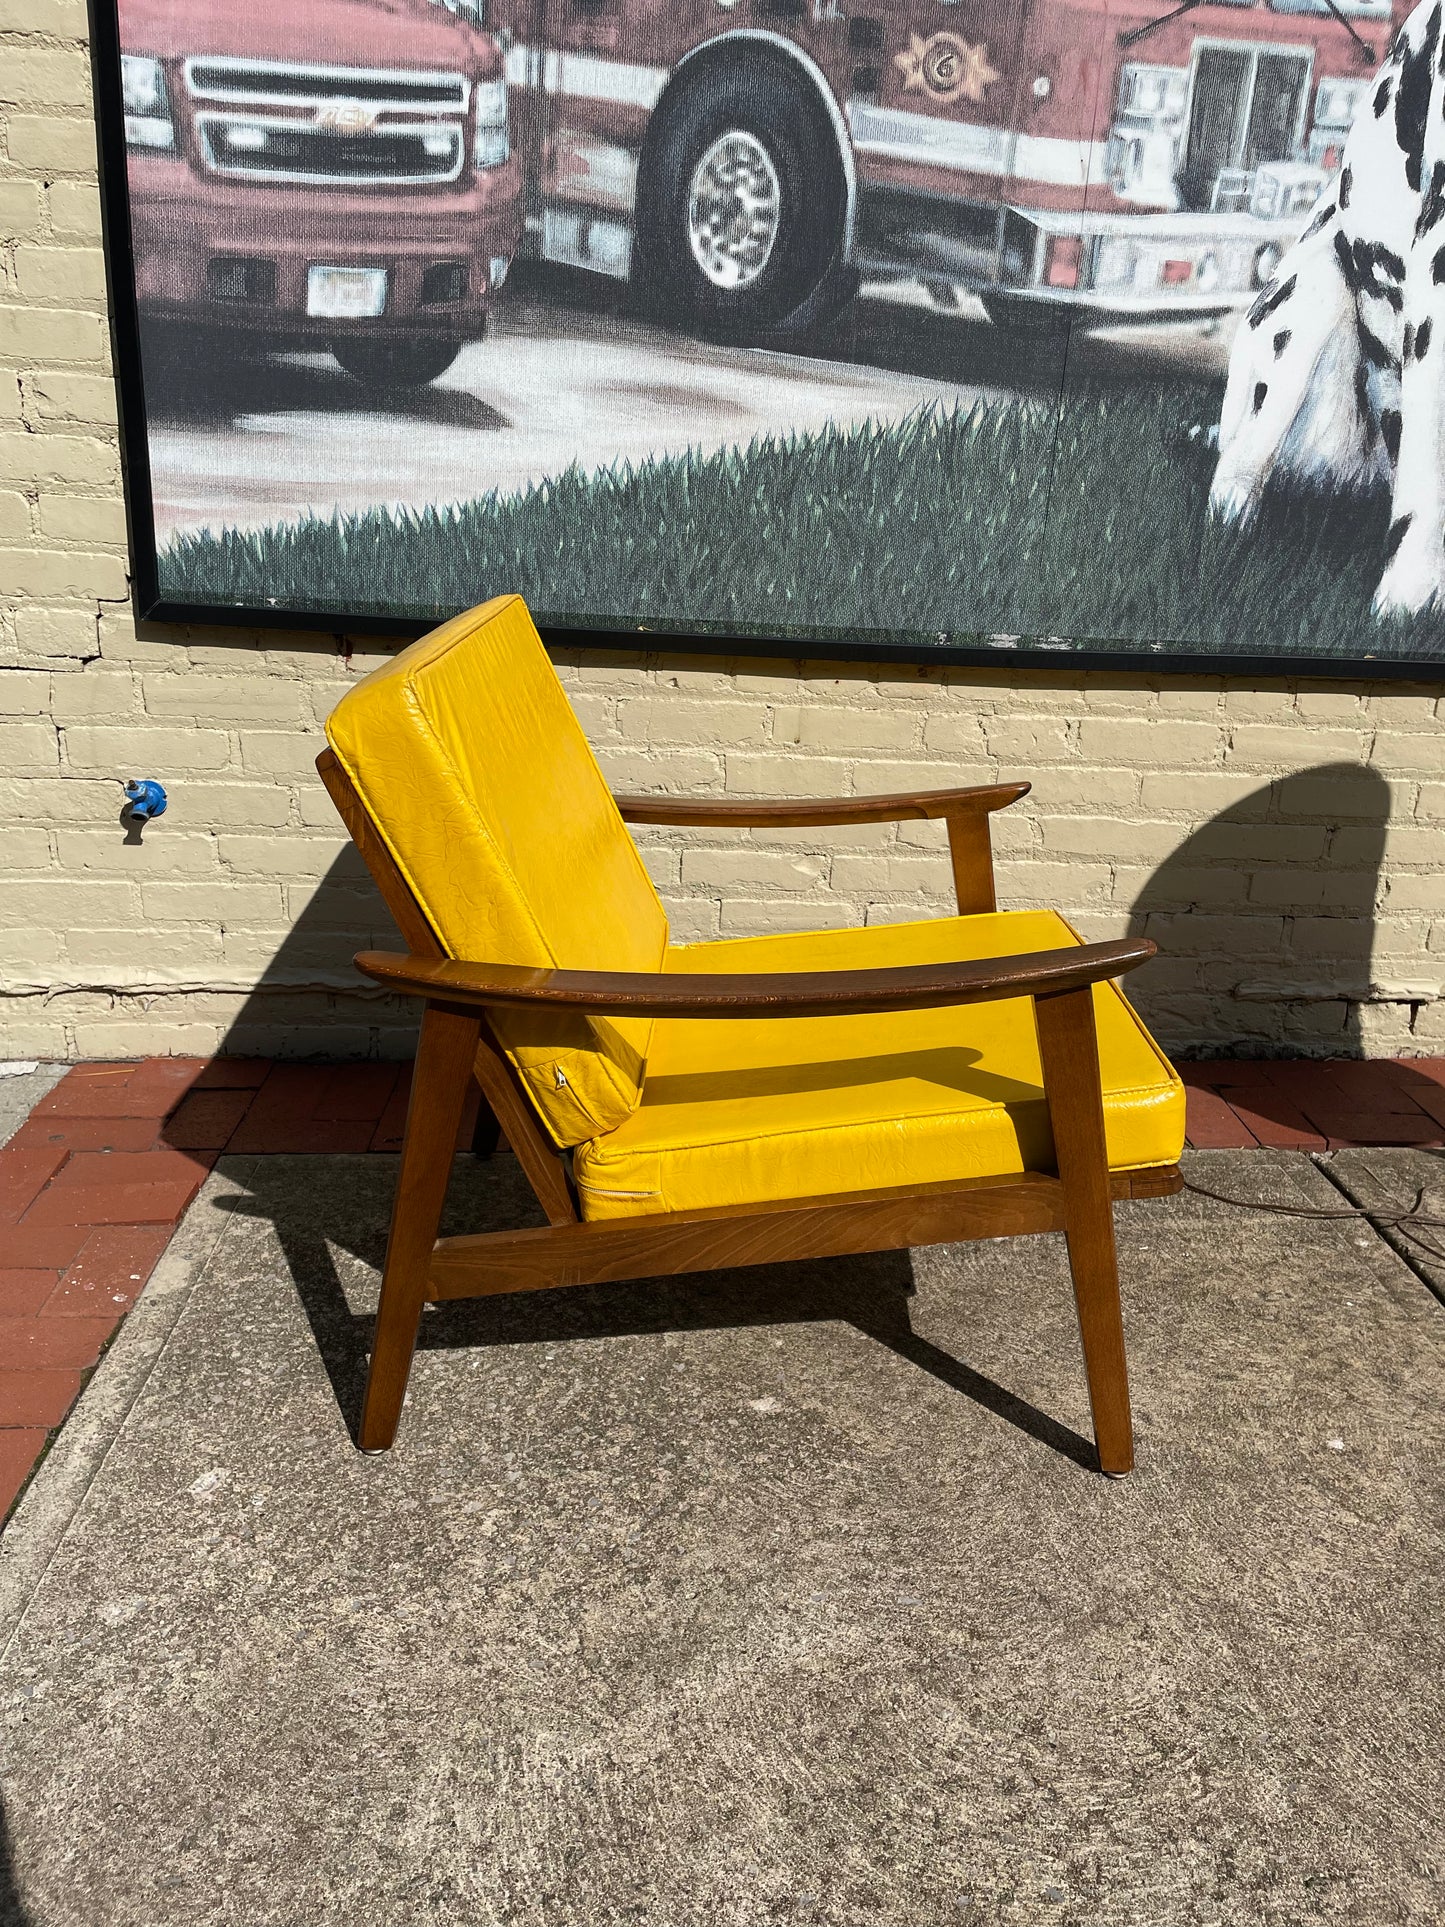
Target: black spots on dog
{"x": 1322, "y": 219}
{"x": 1390, "y": 427}
{"x": 1271, "y": 298}
{"x": 1422, "y": 339}
{"x": 1432, "y": 202}
{"x": 1398, "y": 531}
{"x": 1282, "y": 341}
{"x": 1261, "y": 389}
{"x": 1412, "y": 99}
{"x": 1407, "y": 346}
{"x": 1382, "y": 96}
{"x": 1370, "y": 268}
{"x": 1374, "y": 351}
{"x": 1362, "y": 401}
{"x": 1437, "y": 267}
{"x": 1347, "y": 181}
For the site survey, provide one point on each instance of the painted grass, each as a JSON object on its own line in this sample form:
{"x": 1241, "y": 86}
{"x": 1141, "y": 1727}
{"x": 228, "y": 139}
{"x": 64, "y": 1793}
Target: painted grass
{"x": 997, "y": 519}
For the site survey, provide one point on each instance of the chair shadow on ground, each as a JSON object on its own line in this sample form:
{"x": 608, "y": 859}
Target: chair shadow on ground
{"x": 871, "y": 1292}
{"x": 12, "y": 1908}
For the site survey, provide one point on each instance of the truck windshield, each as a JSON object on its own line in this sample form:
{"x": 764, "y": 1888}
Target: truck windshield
{"x": 1365, "y": 51}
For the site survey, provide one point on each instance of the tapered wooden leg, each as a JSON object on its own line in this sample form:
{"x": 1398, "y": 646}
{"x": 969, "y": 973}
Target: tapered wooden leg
{"x": 1070, "y": 1053}
{"x": 444, "y": 1056}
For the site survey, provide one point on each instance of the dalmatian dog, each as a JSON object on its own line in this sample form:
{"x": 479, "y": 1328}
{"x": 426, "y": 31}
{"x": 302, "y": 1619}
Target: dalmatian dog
{"x": 1337, "y": 376}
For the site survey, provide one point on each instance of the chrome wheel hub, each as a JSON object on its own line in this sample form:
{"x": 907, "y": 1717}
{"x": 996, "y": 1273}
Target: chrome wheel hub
{"x": 734, "y": 208}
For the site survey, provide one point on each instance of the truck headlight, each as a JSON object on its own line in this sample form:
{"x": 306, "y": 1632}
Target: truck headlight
{"x": 492, "y": 145}
{"x": 148, "y": 120}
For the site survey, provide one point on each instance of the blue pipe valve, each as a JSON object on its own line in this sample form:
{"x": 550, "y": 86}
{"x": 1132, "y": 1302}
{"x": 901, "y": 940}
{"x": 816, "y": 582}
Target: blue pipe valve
{"x": 147, "y": 799}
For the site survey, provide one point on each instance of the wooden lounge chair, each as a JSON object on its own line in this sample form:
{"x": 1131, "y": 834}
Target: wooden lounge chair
{"x": 685, "y": 1107}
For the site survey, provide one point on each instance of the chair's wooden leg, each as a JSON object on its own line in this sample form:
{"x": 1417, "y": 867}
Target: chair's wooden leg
{"x": 1069, "y": 1049}
{"x": 444, "y": 1056}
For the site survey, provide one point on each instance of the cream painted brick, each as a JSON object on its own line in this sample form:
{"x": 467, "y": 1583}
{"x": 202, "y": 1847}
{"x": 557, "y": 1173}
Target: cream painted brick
{"x": 285, "y": 856}
{"x": 1329, "y": 705}
{"x": 119, "y": 639}
{"x": 68, "y": 635}
{"x": 291, "y": 754}
{"x": 1173, "y": 886}
{"x": 1024, "y": 743}
{"x": 893, "y": 876}
{"x": 1079, "y": 792}
{"x": 1403, "y": 706}
{"x": 46, "y": 77}
{"x": 27, "y": 1035}
{"x": 960, "y": 734}
{"x": 748, "y": 868}
{"x": 930, "y": 833}
{"x": 49, "y": 458}
{"x": 837, "y": 731}
{"x": 1426, "y": 893}
{"x": 1423, "y": 751}
{"x": 1346, "y": 798}
{"x": 74, "y": 575}
{"x": 24, "y": 692}
{"x": 160, "y": 852}
{"x": 887, "y": 778}
{"x": 107, "y": 1040}
{"x": 693, "y": 919}
{"x": 75, "y": 276}
{"x": 57, "y": 397}
{"x": 10, "y": 395}
{"x": 52, "y": 334}
{"x": 192, "y": 954}
{"x": 1257, "y": 746}
{"x": 21, "y": 209}
{"x": 117, "y": 752}
{"x": 1200, "y": 796}
{"x": 28, "y": 746}
{"x": 64, "y": 903}
{"x": 49, "y": 144}
{"x": 106, "y": 697}
{"x": 1261, "y": 703}
{"x": 1347, "y": 891}
{"x": 24, "y": 953}
{"x": 27, "y": 850}
{"x": 83, "y": 518}
{"x": 1051, "y": 886}
{"x": 75, "y": 210}
{"x": 238, "y": 700}
{"x": 752, "y": 917}
{"x": 663, "y": 866}
{"x": 1187, "y": 745}
{"x": 314, "y": 809}
{"x": 238, "y": 806}
{"x": 633, "y": 772}
{"x": 692, "y": 725}
{"x": 222, "y": 903}
{"x": 1411, "y": 846}
{"x": 789, "y": 776}
{"x": 14, "y": 517}
{"x": 1245, "y": 843}
{"x": 1107, "y": 836}
{"x": 52, "y": 799}
{"x": 831, "y": 837}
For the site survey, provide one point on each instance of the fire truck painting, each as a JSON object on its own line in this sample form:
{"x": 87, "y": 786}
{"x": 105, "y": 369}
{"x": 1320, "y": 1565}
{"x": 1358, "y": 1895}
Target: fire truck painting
{"x": 901, "y": 324}
{"x": 753, "y": 157}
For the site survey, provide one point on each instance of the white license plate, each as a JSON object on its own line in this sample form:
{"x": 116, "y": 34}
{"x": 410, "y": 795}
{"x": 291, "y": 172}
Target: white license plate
{"x": 346, "y": 294}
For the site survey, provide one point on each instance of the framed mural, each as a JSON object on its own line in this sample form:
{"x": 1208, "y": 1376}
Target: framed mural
{"x": 934, "y": 329}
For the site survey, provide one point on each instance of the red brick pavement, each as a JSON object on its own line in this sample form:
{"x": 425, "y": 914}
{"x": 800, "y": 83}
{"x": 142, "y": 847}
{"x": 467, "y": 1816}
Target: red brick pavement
{"x": 95, "y": 1181}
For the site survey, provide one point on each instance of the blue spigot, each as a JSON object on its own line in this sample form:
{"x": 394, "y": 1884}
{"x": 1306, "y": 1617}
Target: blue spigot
{"x": 147, "y": 799}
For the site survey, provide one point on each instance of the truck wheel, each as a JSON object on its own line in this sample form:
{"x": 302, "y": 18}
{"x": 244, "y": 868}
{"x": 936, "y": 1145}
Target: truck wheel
{"x": 406, "y": 363}
{"x": 741, "y": 206}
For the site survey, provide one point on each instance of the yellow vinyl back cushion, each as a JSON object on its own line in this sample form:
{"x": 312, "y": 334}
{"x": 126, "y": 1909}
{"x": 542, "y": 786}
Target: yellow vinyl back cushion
{"x": 751, "y": 1110}
{"x": 469, "y": 761}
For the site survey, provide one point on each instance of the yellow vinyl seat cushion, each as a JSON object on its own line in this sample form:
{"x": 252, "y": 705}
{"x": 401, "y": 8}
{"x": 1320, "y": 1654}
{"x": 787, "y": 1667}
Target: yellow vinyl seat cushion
{"x": 470, "y": 762}
{"x": 741, "y": 1111}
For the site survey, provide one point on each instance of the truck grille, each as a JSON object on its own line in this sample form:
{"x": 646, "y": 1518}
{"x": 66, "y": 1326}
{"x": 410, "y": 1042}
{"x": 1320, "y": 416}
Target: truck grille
{"x": 329, "y": 126}
{"x": 274, "y": 83}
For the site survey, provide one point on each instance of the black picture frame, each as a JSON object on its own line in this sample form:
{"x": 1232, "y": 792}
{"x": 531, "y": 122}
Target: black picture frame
{"x": 151, "y": 606}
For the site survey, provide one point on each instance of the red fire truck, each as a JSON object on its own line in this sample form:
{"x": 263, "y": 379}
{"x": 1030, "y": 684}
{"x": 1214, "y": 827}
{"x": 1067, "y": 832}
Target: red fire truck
{"x": 337, "y": 174}
{"x": 753, "y": 158}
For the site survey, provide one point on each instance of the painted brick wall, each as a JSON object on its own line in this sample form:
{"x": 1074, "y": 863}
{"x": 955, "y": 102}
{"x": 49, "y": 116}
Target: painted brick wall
{"x": 1285, "y": 843}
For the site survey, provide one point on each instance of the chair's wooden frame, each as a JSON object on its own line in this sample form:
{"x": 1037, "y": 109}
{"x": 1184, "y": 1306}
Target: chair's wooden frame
{"x": 457, "y": 1043}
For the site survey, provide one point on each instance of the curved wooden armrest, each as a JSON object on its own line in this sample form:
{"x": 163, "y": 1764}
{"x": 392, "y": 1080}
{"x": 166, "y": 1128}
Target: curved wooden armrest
{"x": 817, "y": 993}
{"x": 906, "y": 806}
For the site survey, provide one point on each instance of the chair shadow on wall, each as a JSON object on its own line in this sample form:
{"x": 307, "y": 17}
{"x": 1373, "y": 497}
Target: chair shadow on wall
{"x": 1266, "y": 914}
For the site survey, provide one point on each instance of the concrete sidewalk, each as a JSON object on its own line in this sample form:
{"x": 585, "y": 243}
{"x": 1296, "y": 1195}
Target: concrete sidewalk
{"x": 773, "y": 1596}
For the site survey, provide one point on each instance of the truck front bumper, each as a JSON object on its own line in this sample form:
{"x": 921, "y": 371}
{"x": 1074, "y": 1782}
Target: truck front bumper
{"x": 229, "y": 255}
{"x": 1129, "y": 266}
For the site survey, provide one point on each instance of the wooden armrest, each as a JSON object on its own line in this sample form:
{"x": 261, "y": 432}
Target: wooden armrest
{"x": 906, "y": 806}
{"x": 817, "y": 993}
